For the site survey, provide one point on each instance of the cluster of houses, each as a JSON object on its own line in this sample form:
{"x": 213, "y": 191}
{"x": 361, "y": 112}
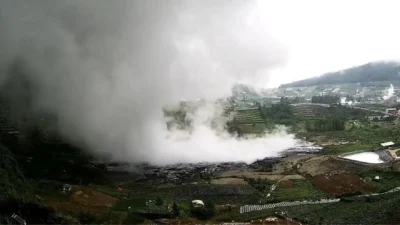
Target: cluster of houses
{"x": 182, "y": 174}
{"x": 393, "y": 111}
{"x": 392, "y": 151}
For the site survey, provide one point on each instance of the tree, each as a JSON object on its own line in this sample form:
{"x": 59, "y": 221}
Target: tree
{"x": 349, "y": 98}
{"x": 309, "y": 126}
{"x": 326, "y": 99}
{"x": 86, "y": 217}
{"x": 210, "y": 208}
{"x": 175, "y": 209}
{"x": 280, "y": 113}
{"x": 159, "y": 201}
{"x": 284, "y": 100}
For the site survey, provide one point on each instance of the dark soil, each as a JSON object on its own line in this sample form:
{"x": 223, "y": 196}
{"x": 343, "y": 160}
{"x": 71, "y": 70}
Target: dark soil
{"x": 340, "y": 184}
{"x": 286, "y": 184}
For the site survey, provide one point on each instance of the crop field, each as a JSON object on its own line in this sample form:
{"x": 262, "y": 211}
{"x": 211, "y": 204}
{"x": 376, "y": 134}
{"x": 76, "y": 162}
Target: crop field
{"x": 219, "y": 194}
{"x": 368, "y": 137}
{"x": 387, "y": 180}
{"x": 306, "y": 111}
{"x": 246, "y": 128}
{"x": 82, "y": 201}
{"x": 365, "y": 210}
{"x": 259, "y": 128}
{"x": 248, "y": 117}
{"x": 296, "y": 190}
{"x": 340, "y": 184}
{"x": 250, "y": 121}
{"x": 340, "y": 149}
{"x": 286, "y": 184}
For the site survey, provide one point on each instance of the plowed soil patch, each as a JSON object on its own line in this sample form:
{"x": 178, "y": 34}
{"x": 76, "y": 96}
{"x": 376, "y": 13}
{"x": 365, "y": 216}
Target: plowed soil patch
{"x": 341, "y": 184}
{"x": 286, "y": 184}
{"x": 71, "y": 207}
{"x": 92, "y": 198}
{"x": 84, "y": 199}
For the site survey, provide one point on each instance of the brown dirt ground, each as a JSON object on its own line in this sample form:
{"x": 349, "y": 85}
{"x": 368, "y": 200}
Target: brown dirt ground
{"x": 228, "y": 181}
{"x": 92, "y": 198}
{"x": 85, "y": 199}
{"x": 327, "y": 164}
{"x": 286, "y": 184}
{"x": 340, "y": 184}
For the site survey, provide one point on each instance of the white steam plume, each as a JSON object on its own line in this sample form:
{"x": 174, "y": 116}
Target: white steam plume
{"x": 389, "y": 93}
{"x": 106, "y": 68}
{"x": 343, "y": 101}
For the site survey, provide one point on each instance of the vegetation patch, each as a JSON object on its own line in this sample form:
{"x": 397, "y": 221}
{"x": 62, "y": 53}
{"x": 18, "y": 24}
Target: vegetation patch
{"x": 340, "y": 149}
{"x": 386, "y": 181}
{"x": 218, "y": 194}
{"x": 301, "y": 190}
{"x": 361, "y": 210}
{"x": 112, "y": 191}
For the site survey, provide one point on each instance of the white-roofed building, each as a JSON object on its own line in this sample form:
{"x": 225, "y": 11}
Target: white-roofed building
{"x": 198, "y": 203}
{"x": 387, "y": 144}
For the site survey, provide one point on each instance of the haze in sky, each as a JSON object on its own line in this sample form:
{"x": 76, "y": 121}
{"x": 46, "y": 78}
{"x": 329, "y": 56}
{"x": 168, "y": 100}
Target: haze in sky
{"x": 324, "y": 36}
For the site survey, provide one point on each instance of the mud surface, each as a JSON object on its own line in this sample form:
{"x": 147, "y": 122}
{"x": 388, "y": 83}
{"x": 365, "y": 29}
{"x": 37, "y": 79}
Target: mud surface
{"x": 340, "y": 184}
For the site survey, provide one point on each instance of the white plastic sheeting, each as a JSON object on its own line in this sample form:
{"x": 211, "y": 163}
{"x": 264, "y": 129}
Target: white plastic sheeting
{"x": 368, "y": 157}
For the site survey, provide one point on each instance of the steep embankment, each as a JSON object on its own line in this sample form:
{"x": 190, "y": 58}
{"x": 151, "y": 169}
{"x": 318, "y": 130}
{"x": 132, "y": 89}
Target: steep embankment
{"x": 327, "y": 164}
{"x": 16, "y": 196}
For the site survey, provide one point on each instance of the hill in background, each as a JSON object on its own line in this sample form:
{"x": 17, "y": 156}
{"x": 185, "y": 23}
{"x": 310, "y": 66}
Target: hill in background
{"x": 370, "y": 72}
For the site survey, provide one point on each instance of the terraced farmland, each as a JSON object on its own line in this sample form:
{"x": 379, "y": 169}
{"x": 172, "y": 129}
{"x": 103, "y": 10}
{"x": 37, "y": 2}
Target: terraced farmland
{"x": 248, "y": 117}
{"x": 250, "y": 121}
{"x": 306, "y": 111}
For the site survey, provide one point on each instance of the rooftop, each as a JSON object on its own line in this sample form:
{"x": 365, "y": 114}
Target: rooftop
{"x": 387, "y": 144}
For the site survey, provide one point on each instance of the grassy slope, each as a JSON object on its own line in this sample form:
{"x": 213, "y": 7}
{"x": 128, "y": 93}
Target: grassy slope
{"x": 16, "y": 196}
{"x": 365, "y": 210}
{"x": 340, "y": 149}
{"x": 388, "y": 180}
{"x": 302, "y": 190}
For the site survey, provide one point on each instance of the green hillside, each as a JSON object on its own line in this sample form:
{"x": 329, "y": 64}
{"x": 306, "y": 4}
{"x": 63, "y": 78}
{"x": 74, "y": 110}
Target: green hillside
{"x": 248, "y": 116}
{"x": 370, "y": 72}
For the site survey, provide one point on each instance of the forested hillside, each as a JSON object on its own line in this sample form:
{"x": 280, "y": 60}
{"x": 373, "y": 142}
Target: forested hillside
{"x": 371, "y": 72}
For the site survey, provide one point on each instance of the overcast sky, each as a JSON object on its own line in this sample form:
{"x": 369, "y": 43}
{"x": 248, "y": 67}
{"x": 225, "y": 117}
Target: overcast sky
{"x": 323, "y": 36}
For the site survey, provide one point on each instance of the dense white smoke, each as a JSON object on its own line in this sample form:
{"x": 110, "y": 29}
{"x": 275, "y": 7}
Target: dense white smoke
{"x": 389, "y": 93}
{"x": 106, "y": 68}
{"x": 344, "y": 101}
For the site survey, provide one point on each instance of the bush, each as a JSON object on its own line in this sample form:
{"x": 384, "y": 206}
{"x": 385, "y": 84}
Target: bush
{"x": 86, "y": 217}
{"x": 175, "y": 209}
{"x": 159, "y": 201}
{"x": 134, "y": 218}
{"x": 349, "y": 194}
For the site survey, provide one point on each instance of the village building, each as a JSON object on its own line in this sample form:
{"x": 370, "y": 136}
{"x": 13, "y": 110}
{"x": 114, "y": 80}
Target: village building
{"x": 198, "y": 203}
